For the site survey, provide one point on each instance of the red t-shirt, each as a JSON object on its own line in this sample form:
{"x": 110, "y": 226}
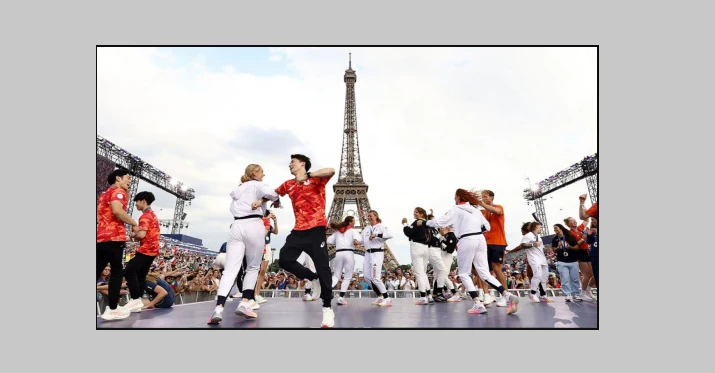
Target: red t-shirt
{"x": 150, "y": 243}
{"x": 308, "y": 200}
{"x": 578, "y": 233}
{"x": 110, "y": 228}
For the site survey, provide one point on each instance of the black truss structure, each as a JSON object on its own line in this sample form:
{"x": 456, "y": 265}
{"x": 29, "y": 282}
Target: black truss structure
{"x": 586, "y": 169}
{"x": 145, "y": 171}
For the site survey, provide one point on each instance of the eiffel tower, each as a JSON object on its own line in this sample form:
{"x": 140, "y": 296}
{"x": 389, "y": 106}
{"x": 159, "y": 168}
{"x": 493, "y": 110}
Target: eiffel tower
{"x": 351, "y": 191}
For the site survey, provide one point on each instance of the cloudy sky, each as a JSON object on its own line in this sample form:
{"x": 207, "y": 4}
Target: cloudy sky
{"x": 430, "y": 120}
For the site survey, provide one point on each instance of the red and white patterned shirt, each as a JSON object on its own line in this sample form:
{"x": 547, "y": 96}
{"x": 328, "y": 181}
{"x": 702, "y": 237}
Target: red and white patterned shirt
{"x": 150, "y": 243}
{"x": 308, "y": 200}
{"x": 110, "y": 228}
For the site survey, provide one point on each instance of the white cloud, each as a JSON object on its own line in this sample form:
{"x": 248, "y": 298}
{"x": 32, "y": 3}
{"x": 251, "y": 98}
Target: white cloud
{"x": 430, "y": 120}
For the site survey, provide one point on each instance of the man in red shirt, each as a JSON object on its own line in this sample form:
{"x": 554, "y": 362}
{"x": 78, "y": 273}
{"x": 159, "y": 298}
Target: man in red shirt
{"x": 138, "y": 267}
{"x": 307, "y": 194}
{"x": 112, "y": 236}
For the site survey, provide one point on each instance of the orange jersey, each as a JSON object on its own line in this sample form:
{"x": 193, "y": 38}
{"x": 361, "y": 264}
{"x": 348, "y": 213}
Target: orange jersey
{"x": 110, "y": 228}
{"x": 150, "y": 243}
{"x": 593, "y": 210}
{"x": 308, "y": 200}
{"x": 496, "y": 235}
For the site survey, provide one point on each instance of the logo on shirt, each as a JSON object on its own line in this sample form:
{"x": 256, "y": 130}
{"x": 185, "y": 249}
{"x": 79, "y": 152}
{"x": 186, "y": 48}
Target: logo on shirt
{"x": 120, "y": 196}
{"x": 322, "y": 244}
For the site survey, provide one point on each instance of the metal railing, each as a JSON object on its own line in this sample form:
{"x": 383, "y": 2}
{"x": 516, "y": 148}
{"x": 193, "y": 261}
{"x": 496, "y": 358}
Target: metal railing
{"x": 203, "y": 296}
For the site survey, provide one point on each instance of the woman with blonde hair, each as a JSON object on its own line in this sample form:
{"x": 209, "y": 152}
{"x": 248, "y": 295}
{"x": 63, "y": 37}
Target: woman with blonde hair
{"x": 469, "y": 224}
{"x": 345, "y": 238}
{"x": 246, "y": 238}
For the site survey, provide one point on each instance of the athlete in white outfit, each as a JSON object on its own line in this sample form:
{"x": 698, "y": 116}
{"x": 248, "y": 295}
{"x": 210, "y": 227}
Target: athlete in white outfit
{"x": 537, "y": 261}
{"x": 374, "y": 237}
{"x": 246, "y": 238}
{"x": 469, "y": 224}
{"x": 345, "y": 238}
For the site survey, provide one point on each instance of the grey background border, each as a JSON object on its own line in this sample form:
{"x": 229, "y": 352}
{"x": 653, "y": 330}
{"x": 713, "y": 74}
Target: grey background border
{"x": 49, "y": 85}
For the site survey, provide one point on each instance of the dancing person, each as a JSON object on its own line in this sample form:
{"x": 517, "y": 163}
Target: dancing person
{"x": 246, "y": 239}
{"x": 112, "y": 238}
{"x": 496, "y": 242}
{"x": 468, "y": 224}
{"x": 345, "y": 239}
{"x": 534, "y": 247}
{"x": 567, "y": 255}
{"x": 448, "y": 243}
{"x": 419, "y": 237}
{"x": 307, "y": 194}
{"x": 374, "y": 237}
{"x": 138, "y": 268}
{"x": 584, "y": 256}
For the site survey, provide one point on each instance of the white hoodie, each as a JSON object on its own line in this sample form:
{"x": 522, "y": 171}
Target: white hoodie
{"x": 463, "y": 219}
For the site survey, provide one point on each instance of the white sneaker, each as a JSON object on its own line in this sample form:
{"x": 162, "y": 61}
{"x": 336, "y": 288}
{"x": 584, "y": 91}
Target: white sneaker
{"x": 328, "y": 318}
{"x": 454, "y": 298}
{"x": 501, "y": 302}
{"x": 430, "y": 299}
{"x": 134, "y": 305}
{"x": 577, "y": 298}
{"x": 115, "y": 314}
{"x": 568, "y": 298}
{"x": 477, "y": 308}
{"x": 253, "y": 304}
{"x": 386, "y": 302}
{"x": 481, "y": 295}
{"x": 378, "y": 301}
{"x": 534, "y": 298}
{"x": 587, "y": 294}
{"x": 488, "y": 299}
{"x": 260, "y": 299}
{"x": 308, "y": 298}
{"x": 512, "y": 303}
{"x": 422, "y": 302}
{"x": 342, "y": 302}
{"x": 216, "y": 316}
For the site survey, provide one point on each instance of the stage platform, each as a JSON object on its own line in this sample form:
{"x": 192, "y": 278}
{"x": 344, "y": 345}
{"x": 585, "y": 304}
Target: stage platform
{"x": 289, "y": 313}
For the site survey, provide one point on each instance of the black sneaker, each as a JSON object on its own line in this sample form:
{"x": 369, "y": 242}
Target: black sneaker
{"x": 439, "y": 298}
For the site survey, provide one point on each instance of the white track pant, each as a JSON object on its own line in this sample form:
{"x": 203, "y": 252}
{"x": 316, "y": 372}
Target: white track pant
{"x": 344, "y": 262}
{"x": 541, "y": 276}
{"x": 419, "y": 253}
{"x": 447, "y": 260}
{"x": 440, "y": 272}
{"x": 372, "y": 270}
{"x": 473, "y": 250}
{"x": 246, "y": 238}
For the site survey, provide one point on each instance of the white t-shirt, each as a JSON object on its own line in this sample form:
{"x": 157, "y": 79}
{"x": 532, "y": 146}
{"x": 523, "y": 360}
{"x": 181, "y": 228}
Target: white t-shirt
{"x": 345, "y": 240}
{"x": 535, "y": 255}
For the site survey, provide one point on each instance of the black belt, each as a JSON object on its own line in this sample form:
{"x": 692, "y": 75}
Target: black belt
{"x": 247, "y": 217}
{"x": 469, "y": 234}
{"x": 374, "y": 250}
{"x": 345, "y": 250}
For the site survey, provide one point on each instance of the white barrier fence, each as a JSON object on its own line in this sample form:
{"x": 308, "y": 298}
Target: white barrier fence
{"x": 203, "y": 296}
